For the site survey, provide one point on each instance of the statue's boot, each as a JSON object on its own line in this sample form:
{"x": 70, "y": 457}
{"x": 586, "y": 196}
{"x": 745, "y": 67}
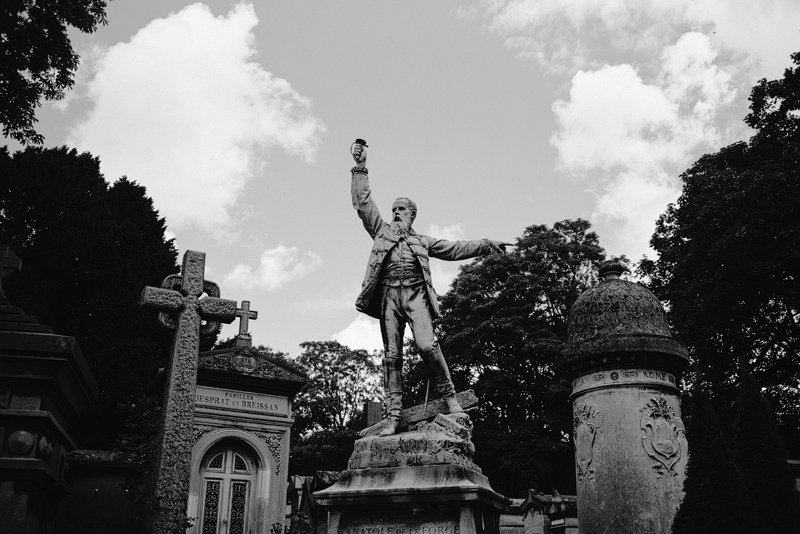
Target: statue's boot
{"x": 452, "y": 404}
{"x": 392, "y": 426}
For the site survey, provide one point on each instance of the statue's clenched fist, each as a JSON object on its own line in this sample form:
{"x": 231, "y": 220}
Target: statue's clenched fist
{"x": 498, "y": 247}
{"x": 359, "y": 151}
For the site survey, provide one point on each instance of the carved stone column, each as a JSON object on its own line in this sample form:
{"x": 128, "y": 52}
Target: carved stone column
{"x": 630, "y": 444}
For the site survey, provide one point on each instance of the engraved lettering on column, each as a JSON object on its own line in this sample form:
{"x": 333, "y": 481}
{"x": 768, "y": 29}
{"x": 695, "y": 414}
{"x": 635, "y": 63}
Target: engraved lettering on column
{"x": 586, "y": 425}
{"x": 663, "y": 436}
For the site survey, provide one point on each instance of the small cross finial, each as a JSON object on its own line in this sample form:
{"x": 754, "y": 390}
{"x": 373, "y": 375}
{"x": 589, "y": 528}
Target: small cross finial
{"x": 243, "y": 339}
{"x": 245, "y": 315}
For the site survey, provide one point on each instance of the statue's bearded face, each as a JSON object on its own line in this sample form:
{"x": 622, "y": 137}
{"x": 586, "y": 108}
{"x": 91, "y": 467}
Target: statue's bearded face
{"x": 403, "y": 213}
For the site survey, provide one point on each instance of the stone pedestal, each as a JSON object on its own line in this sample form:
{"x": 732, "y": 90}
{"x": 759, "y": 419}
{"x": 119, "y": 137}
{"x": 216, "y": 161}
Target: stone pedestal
{"x": 418, "y": 482}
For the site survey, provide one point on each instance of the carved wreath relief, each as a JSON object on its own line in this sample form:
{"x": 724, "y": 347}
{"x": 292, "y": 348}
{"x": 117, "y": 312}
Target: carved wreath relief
{"x": 663, "y": 436}
{"x": 586, "y": 423}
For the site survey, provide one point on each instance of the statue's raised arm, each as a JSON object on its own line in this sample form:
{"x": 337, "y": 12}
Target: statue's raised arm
{"x": 362, "y": 196}
{"x": 397, "y": 287}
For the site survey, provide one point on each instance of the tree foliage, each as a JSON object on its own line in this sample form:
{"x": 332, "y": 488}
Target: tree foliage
{"x": 761, "y": 458}
{"x": 503, "y": 327}
{"x": 715, "y": 497}
{"x": 36, "y": 57}
{"x": 340, "y": 381}
{"x": 88, "y": 249}
{"x": 323, "y": 450}
{"x": 729, "y": 257}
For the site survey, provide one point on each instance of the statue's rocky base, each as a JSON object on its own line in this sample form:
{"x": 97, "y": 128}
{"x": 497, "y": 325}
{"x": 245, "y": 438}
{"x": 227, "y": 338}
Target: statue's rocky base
{"x": 422, "y": 481}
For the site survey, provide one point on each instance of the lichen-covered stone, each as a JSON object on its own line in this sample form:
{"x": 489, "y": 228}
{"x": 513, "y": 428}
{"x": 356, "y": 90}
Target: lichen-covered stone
{"x": 630, "y": 445}
{"x": 174, "y": 451}
{"x": 445, "y": 441}
{"x": 620, "y": 317}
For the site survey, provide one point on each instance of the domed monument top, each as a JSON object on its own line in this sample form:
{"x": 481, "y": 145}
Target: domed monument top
{"x": 619, "y": 321}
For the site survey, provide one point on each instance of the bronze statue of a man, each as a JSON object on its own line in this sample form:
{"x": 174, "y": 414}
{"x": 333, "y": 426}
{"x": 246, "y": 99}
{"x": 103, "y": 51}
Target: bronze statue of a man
{"x": 397, "y": 288}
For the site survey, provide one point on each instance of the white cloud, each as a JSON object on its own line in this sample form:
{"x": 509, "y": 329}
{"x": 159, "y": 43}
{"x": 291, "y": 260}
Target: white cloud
{"x": 652, "y": 88}
{"x": 454, "y": 232}
{"x": 629, "y": 139}
{"x": 277, "y": 267}
{"x": 185, "y": 109}
{"x": 567, "y": 36}
{"x": 363, "y": 333}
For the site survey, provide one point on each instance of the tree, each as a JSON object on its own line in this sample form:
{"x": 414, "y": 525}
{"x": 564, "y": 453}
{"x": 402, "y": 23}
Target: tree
{"x": 729, "y": 254}
{"x": 36, "y": 57}
{"x": 340, "y": 381}
{"x": 715, "y": 497}
{"x": 88, "y": 249}
{"x": 761, "y": 458}
{"x": 323, "y": 450}
{"x": 503, "y": 326}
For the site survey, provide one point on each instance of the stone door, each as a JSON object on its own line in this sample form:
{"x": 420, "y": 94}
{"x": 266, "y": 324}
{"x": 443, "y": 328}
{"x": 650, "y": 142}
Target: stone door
{"x": 228, "y": 481}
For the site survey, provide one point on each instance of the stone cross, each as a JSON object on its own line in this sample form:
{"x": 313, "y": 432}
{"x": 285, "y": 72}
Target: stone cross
{"x": 243, "y": 338}
{"x": 245, "y": 315}
{"x": 175, "y": 445}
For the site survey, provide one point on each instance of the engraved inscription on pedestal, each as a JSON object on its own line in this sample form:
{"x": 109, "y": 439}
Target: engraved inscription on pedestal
{"x": 623, "y": 377}
{"x": 388, "y": 523}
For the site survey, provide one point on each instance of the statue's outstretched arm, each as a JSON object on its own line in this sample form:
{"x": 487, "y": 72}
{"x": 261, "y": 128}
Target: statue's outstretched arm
{"x": 462, "y": 250}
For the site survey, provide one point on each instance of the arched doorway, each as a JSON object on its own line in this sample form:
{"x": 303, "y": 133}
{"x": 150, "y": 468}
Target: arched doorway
{"x": 228, "y": 474}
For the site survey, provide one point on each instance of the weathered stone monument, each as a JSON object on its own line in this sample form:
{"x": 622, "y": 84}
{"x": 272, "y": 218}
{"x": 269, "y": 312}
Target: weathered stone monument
{"x": 240, "y": 439}
{"x": 412, "y": 472}
{"x": 421, "y": 480}
{"x": 182, "y": 308}
{"x": 45, "y": 387}
{"x": 630, "y": 444}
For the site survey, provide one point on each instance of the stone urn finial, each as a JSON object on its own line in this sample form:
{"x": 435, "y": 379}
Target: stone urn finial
{"x": 612, "y": 270}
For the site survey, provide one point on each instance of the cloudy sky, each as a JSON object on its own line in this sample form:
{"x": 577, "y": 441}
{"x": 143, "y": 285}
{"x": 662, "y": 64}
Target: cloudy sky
{"x": 493, "y": 115}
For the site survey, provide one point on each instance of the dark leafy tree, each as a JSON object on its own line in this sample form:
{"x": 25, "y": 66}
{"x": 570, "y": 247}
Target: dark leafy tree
{"x": 323, "y": 450}
{"x": 715, "y": 499}
{"x": 729, "y": 258}
{"x": 36, "y": 57}
{"x": 503, "y": 327}
{"x": 328, "y": 410}
{"x": 340, "y": 381}
{"x": 88, "y": 249}
{"x": 761, "y": 458}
